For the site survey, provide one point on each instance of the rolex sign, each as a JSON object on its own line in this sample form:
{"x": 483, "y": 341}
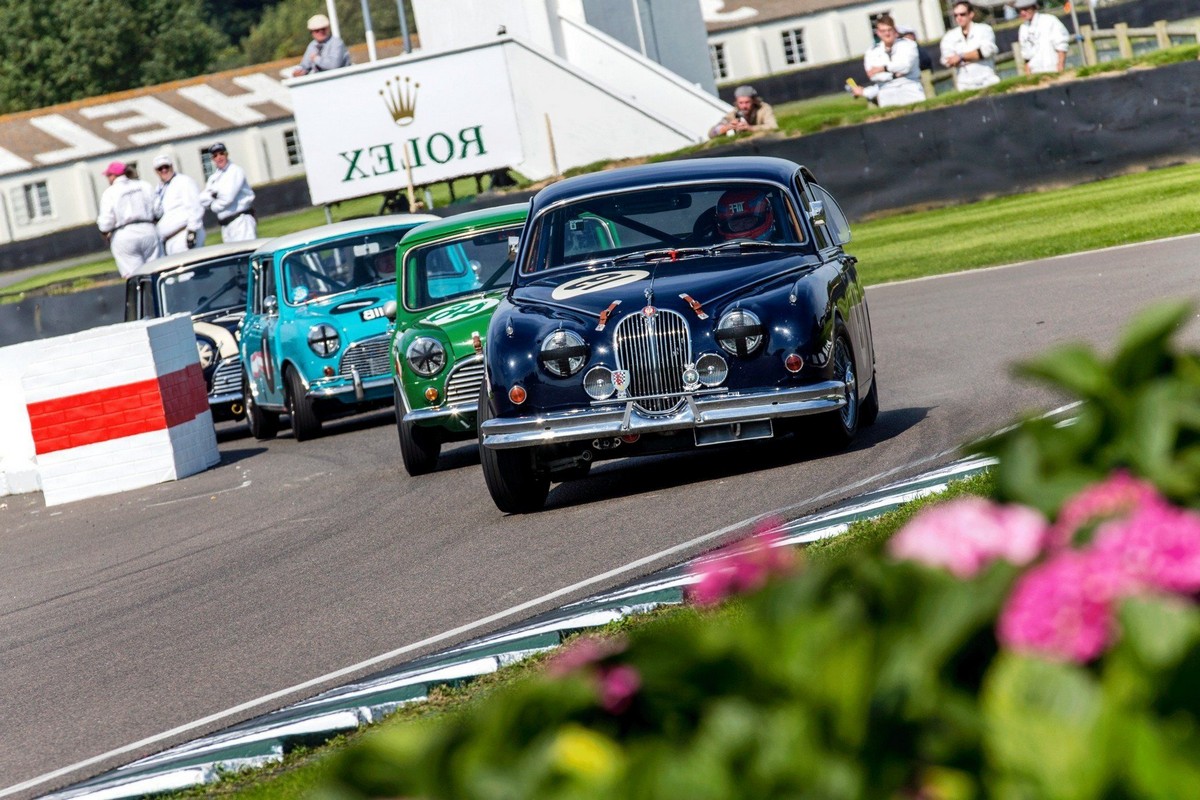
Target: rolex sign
{"x": 443, "y": 116}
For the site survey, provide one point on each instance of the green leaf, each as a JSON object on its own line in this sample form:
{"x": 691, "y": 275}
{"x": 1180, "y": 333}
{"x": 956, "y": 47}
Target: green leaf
{"x": 1144, "y": 347}
{"x": 1159, "y": 630}
{"x": 1072, "y": 367}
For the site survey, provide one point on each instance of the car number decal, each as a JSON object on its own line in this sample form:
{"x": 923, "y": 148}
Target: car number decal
{"x": 598, "y": 282}
{"x": 461, "y": 311}
{"x": 369, "y": 314}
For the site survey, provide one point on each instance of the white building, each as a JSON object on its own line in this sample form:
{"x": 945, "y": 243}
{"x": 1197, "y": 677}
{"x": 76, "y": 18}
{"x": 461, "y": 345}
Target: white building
{"x": 752, "y": 38}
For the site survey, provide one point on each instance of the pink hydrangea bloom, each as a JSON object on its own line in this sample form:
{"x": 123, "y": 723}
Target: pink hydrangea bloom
{"x": 618, "y": 685}
{"x": 1062, "y": 609}
{"x": 584, "y": 652}
{"x": 1117, "y": 495}
{"x": 742, "y": 566}
{"x": 966, "y": 535}
{"x": 1158, "y": 545}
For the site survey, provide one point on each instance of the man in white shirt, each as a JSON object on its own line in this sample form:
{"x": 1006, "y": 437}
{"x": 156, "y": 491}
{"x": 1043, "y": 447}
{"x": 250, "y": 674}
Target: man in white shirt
{"x": 126, "y": 219}
{"x": 177, "y": 207}
{"x": 893, "y": 67}
{"x": 1044, "y": 39}
{"x": 230, "y": 197}
{"x": 970, "y": 50}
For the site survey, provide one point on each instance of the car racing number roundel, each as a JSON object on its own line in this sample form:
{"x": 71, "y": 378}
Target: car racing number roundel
{"x": 598, "y": 282}
{"x": 462, "y": 310}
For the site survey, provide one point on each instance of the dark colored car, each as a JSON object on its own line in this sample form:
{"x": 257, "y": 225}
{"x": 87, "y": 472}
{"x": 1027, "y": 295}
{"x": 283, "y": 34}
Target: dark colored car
{"x": 210, "y": 284}
{"x": 671, "y": 306}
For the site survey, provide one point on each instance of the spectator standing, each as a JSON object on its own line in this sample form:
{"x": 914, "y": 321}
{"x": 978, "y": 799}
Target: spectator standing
{"x": 970, "y": 50}
{"x": 177, "y": 208}
{"x": 750, "y": 113}
{"x": 230, "y": 197}
{"x": 126, "y": 219}
{"x": 325, "y": 51}
{"x": 893, "y": 65}
{"x": 924, "y": 60}
{"x": 1044, "y": 39}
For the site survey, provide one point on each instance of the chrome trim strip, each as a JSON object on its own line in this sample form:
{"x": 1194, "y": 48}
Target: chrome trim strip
{"x": 428, "y": 414}
{"x": 228, "y": 397}
{"x": 622, "y": 419}
{"x": 335, "y": 391}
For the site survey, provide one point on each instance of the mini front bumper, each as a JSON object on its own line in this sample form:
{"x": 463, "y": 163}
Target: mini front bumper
{"x": 620, "y": 418}
{"x": 352, "y": 389}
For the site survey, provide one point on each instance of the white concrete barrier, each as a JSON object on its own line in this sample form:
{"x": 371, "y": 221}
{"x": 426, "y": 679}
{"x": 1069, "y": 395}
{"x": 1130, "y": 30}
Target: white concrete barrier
{"x": 104, "y": 411}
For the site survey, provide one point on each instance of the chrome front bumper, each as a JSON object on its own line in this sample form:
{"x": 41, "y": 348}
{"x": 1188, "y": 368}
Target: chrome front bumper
{"x": 442, "y": 414}
{"x": 622, "y": 419}
{"x": 340, "y": 386}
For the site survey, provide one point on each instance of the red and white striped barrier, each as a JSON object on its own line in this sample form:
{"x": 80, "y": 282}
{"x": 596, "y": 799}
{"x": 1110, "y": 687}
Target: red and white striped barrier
{"x": 109, "y": 409}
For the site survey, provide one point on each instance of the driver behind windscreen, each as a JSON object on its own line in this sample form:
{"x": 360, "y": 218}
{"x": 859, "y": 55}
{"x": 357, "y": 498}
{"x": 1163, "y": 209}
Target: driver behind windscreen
{"x": 745, "y": 214}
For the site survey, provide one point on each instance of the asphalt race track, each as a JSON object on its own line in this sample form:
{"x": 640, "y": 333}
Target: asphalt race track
{"x": 132, "y": 622}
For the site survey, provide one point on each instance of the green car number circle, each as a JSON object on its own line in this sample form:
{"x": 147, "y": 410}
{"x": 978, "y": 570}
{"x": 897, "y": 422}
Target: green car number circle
{"x": 460, "y": 311}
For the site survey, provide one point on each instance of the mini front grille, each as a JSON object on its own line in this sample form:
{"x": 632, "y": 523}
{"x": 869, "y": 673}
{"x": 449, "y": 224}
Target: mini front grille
{"x": 370, "y": 356}
{"x": 654, "y": 350}
{"x": 462, "y": 385}
{"x": 227, "y": 378}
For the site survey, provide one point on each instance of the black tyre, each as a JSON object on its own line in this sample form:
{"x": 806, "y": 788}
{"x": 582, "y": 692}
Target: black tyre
{"x": 263, "y": 424}
{"x": 512, "y": 480}
{"x": 837, "y": 429}
{"x": 870, "y": 405}
{"x": 419, "y": 447}
{"x": 305, "y": 422}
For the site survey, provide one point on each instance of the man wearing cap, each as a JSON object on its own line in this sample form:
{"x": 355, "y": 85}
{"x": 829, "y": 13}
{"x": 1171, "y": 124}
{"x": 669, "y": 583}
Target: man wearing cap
{"x": 177, "y": 207}
{"x": 750, "y": 113}
{"x": 893, "y": 65}
{"x": 970, "y": 50}
{"x": 1044, "y": 39}
{"x": 228, "y": 194}
{"x": 126, "y": 219}
{"x": 325, "y": 51}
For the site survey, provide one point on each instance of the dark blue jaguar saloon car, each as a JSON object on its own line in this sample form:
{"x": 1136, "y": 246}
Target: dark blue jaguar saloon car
{"x": 673, "y": 306}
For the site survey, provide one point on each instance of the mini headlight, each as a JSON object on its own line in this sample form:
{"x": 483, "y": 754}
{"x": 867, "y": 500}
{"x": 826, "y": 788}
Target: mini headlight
{"x": 598, "y": 383}
{"x": 563, "y": 353}
{"x": 207, "y": 352}
{"x": 739, "y": 332}
{"x": 426, "y": 356}
{"x": 324, "y": 340}
{"x": 712, "y": 368}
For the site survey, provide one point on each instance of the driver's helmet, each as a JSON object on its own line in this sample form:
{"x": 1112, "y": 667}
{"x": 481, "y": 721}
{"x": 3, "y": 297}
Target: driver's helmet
{"x": 744, "y": 214}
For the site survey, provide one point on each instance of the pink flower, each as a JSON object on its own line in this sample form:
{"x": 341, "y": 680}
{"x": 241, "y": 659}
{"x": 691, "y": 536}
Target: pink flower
{"x": 618, "y": 685}
{"x": 966, "y": 535}
{"x": 1062, "y": 609}
{"x": 1118, "y": 495}
{"x": 742, "y": 566}
{"x": 1158, "y": 545}
{"x": 583, "y": 652}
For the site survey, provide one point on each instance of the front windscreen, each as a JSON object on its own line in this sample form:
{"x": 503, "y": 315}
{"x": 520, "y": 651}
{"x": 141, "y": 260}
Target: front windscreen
{"x": 445, "y": 270}
{"x": 658, "y": 218}
{"x": 205, "y": 288}
{"x": 351, "y": 263}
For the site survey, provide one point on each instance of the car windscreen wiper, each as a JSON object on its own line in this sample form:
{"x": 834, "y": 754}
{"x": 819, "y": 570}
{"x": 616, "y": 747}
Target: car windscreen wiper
{"x": 754, "y": 244}
{"x": 662, "y": 254}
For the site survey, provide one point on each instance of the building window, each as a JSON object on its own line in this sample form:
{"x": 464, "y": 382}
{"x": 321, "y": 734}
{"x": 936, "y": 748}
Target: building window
{"x": 292, "y": 142}
{"x": 31, "y": 203}
{"x": 716, "y": 54}
{"x": 206, "y": 164}
{"x": 793, "y": 46}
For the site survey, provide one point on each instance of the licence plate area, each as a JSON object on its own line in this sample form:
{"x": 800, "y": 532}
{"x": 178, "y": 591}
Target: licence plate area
{"x": 733, "y": 432}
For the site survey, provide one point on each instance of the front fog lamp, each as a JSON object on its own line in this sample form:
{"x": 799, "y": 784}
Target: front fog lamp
{"x": 426, "y": 356}
{"x": 563, "y": 354}
{"x": 324, "y": 340}
{"x": 207, "y": 351}
{"x": 598, "y": 383}
{"x": 739, "y": 332}
{"x": 712, "y": 369}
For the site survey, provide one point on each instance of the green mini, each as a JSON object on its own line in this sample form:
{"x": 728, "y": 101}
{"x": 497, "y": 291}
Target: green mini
{"x": 452, "y": 274}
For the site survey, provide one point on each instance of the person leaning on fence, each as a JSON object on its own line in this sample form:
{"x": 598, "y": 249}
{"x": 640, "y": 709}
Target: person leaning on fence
{"x": 126, "y": 219}
{"x": 230, "y": 197}
{"x": 970, "y": 50}
{"x": 924, "y": 60}
{"x": 893, "y": 67}
{"x": 1044, "y": 39}
{"x": 325, "y": 51}
{"x": 177, "y": 208}
{"x": 750, "y": 113}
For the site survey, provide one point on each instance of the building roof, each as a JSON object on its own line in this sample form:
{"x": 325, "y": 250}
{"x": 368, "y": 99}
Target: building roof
{"x": 732, "y": 14}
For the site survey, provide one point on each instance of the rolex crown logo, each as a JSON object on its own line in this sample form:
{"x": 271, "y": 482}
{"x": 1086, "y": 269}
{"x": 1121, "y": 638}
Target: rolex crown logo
{"x": 401, "y": 100}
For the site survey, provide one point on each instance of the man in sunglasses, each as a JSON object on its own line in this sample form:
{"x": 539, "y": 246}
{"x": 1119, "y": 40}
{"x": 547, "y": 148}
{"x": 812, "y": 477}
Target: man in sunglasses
{"x": 230, "y": 197}
{"x": 177, "y": 207}
{"x": 970, "y": 50}
{"x": 325, "y": 51}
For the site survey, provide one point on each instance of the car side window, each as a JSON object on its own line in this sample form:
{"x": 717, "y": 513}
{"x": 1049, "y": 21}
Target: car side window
{"x": 836, "y": 224}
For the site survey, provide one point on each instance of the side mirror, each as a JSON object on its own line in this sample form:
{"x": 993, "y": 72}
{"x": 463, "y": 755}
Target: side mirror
{"x": 816, "y": 210}
{"x": 271, "y": 305}
{"x": 389, "y": 310}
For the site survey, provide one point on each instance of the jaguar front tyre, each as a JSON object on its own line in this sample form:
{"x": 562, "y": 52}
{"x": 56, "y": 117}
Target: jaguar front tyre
{"x": 512, "y": 478}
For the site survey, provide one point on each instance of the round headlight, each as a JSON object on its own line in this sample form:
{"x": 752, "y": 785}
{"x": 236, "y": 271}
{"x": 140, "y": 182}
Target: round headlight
{"x": 712, "y": 368}
{"x": 426, "y": 356}
{"x": 207, "y": 351}
{"x": 598, "y": 383}
{"x": 563, "y": 353}
{"x": 739, "y": 332}
{"x": 324, "y": 340}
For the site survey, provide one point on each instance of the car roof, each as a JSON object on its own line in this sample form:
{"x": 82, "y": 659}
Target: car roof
{"x": 338, "y": 230}
{"x": 198, "y": 254}
{"x": 778, "y": 170}
{"x": 457, "y": 223}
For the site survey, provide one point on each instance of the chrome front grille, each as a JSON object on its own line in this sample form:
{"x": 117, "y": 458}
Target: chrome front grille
{"x": 227, "y": 379}
{"x": 369, "y": 356}
{"x": 654, "y": 350}
{"x": 464, "y": 380}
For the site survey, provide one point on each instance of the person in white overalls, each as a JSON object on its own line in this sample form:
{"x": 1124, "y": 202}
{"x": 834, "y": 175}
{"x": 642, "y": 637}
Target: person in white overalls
{"x": 893, "y": 65}
{"x": 126, "y": 219}
{"x": 228, "y": 194}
